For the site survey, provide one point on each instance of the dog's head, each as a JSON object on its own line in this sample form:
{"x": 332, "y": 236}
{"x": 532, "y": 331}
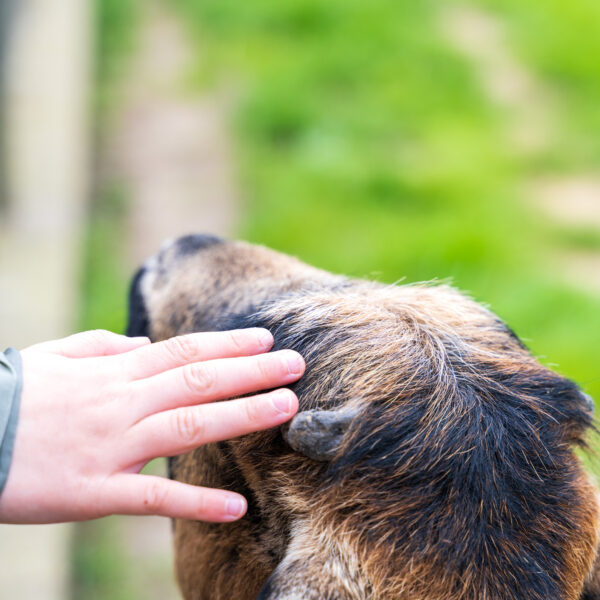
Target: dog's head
{"x": 432, "y": 457}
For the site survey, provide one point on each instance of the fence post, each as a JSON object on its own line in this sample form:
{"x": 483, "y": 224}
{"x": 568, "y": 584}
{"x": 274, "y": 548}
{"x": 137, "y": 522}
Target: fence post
{"x": 47, "y": 75}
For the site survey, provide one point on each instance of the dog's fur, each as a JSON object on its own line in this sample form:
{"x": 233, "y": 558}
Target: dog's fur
{"x": 454, "y": 478}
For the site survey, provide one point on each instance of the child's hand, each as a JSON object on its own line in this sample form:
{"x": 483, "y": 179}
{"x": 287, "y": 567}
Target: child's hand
{"x": 97, "y": 406}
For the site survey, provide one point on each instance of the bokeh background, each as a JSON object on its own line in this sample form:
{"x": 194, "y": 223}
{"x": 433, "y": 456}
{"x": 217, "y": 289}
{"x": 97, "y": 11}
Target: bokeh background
{"x": 441, "y": 140}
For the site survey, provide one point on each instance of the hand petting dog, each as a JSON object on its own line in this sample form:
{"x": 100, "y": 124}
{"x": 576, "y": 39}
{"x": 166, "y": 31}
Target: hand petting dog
{"x": 97, "y": 406}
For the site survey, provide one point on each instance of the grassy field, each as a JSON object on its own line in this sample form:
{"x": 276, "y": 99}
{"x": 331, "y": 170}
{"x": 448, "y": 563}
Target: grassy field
{"x": 367, "y": 145}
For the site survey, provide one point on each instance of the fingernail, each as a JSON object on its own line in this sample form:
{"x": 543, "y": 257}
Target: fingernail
{"x": 264, "y": 337}
{"x": 141, "y": 338}
{"x": 235, "y": 507}
{"x": 294, "y": 363}
{"x": 282, "y": 401}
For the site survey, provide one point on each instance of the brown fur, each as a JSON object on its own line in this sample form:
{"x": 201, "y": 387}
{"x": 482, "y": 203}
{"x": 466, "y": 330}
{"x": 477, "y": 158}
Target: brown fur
{"x": 426, "y": 499}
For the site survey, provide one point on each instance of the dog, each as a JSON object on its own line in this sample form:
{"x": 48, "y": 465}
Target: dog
{"x": 432, "y": 457}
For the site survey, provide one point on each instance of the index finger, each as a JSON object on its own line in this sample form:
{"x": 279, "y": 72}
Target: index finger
{"x": 190, "y": 348}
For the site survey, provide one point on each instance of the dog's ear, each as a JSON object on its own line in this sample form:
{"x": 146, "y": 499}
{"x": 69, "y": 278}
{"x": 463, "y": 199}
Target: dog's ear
{"x": 571, "y": 407}
{"x": 138, "y": 323}
{"x": 318, "y": 434}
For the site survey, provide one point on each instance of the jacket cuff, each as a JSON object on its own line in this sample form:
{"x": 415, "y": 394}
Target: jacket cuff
{"x": 11, "y": 379}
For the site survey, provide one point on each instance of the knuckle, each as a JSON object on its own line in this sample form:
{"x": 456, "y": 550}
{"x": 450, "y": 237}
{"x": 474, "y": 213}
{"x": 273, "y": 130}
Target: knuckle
{"x": 202, "y": 506}
{"x": 155, "y": 497}
{"x": 189, "y": 425}
{"x": 182, "y": 348}
{"x": 264, "y": 367}
{"x": 99, "y": 336}
{"x": 121, "y": 397}
{"x": 199, "y": 379}
{"x": 104, "y": 333}
{"x": 236, "y": 340}
{"x": 253, "y": 412}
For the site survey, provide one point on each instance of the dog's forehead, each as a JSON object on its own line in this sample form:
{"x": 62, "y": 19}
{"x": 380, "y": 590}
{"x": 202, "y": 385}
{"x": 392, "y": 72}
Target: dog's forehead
{"x": 183, "y": 264}
{"x": 196, "y": 259}
{"x": 194, "y": 282}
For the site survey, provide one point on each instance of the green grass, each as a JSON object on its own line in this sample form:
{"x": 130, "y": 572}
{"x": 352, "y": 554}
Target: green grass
{"x": 99, "y": 565}
{"x": 105, "y": 281}
{"x": 368, "y": 147}
{"x": 115, "y": 38}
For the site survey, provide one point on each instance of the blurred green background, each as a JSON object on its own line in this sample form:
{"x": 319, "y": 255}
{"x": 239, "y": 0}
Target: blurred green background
{"x": 399, "y": 141}
{"x": 367, "y": 143}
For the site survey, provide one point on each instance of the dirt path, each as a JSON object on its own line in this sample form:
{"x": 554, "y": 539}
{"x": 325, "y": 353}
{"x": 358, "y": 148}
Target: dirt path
{"x": 528, "y": 104}
{"x": 573, "y": 201}
{"x": 531, "y": 114}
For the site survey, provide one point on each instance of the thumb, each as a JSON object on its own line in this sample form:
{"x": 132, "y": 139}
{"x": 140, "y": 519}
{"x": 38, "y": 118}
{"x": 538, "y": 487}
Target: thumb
{"x": 97, "y": 342}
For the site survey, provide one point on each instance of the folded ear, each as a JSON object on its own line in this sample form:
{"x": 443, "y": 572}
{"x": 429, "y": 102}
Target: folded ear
{"x": 318, "y": 433}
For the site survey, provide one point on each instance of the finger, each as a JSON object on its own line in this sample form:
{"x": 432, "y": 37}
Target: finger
{"x": 97, "y": 342}
{"x": 195, "y": 347}
{"x": 203, "y": 382}
{"x": 150, "y": 495}
{"x": 183, "y": 429}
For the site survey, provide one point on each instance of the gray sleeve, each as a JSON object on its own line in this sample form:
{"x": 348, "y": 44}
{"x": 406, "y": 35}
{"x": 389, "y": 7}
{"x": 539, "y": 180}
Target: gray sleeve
{"x": 10, "y": 396}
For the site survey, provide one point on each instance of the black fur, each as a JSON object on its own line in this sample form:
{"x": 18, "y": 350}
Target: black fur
{"x": 190, "y": 244}
{"x": 138, "y": 324}
{"x": 507, "y": 454}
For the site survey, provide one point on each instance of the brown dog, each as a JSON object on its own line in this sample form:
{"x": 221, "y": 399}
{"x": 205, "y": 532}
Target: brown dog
{"x": 432, "y": 457}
